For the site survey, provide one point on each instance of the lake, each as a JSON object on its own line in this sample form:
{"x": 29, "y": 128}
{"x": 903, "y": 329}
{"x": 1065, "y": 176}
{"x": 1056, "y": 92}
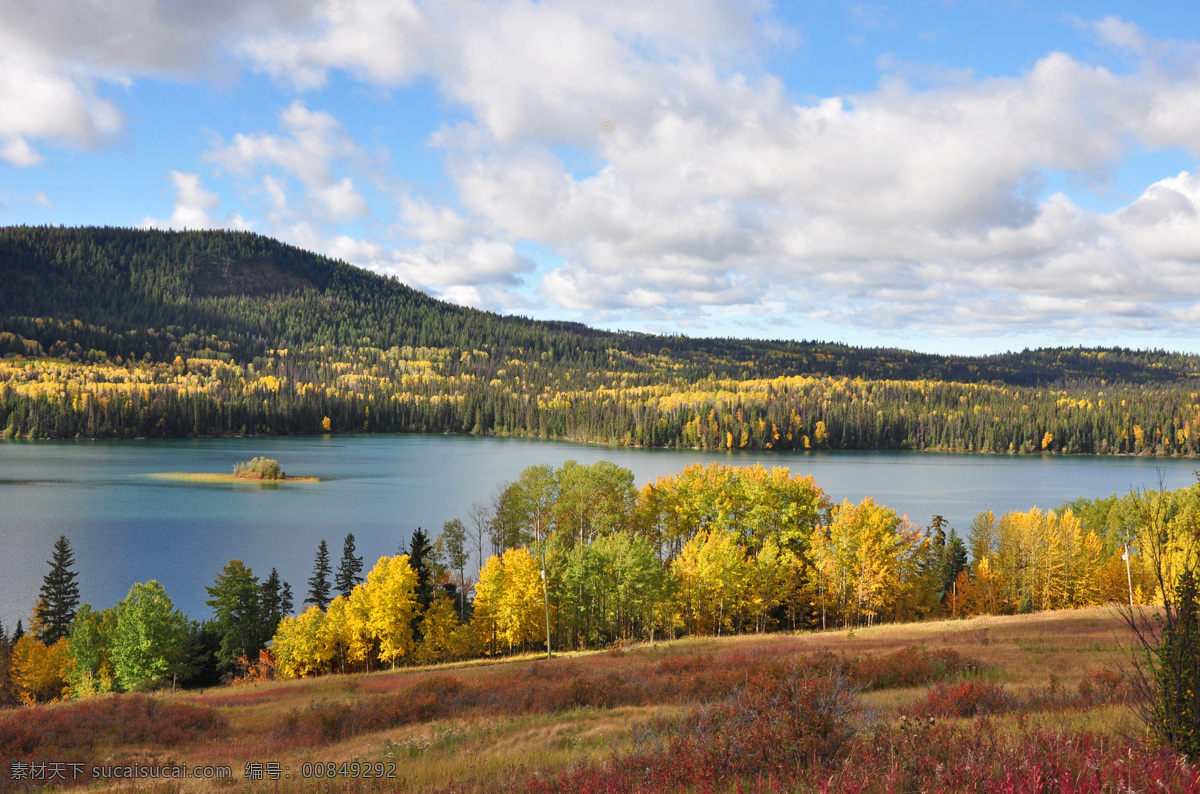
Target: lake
{"x": 127, "y": 527}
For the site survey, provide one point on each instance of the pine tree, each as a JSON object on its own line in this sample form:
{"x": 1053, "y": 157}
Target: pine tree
{"x": 18, "y": 633}
{"x": 59, "y": 594}
{"x": 286, "y": 605}
{"x": 349, "y": 568}
{"x": 237, "y": 613}
{"x": 318, "y": 583}
{"x": 270, "y": 597}
{"x": 419, "y": 553}
{"x": 954, "y": 560}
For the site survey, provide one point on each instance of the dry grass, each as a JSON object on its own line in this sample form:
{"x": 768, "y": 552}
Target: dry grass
{"x": 210, "y": 478}
{"x": 469, "y": 737}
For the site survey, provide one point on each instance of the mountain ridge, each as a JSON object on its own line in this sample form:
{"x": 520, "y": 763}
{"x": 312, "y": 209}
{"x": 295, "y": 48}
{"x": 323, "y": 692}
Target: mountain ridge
{"x": 104, "y": 286}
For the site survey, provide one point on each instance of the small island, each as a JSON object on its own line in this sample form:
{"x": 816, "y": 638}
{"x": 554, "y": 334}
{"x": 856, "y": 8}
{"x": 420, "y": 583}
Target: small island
{"x": 258, "y": 470}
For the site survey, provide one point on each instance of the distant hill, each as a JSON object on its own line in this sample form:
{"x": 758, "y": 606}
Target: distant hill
{"x": 135, "y": 293}
{"x": 119, "y": 333}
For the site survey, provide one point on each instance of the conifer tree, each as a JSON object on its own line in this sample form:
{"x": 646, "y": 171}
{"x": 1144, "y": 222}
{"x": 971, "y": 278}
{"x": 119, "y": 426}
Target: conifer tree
{"x": 954, "y": 560}
{"x": 237, "y": 613}
{"x": 420, "y": 554}
{"x": 349, "y": 568}
{"x": 59, "y": 595}
{"x": 318, "y": 583}
{"x": 286, "y": 605}
{"x": 271, "y": 602}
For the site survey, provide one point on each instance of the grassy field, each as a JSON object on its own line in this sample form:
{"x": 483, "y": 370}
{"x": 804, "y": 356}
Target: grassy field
{"x": 990, "y": 692}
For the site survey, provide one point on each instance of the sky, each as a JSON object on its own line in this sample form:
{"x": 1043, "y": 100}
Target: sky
{"x": 945, "y": 176}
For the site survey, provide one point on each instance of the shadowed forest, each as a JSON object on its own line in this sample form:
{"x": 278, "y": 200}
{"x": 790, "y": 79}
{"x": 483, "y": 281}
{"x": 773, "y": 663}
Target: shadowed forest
{"x": 123, "y": 333}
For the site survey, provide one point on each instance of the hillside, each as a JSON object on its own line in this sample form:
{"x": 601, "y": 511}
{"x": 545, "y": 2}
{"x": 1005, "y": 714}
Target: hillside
{"x": 1047, "y": 689}
{"x": 183, "y": 328}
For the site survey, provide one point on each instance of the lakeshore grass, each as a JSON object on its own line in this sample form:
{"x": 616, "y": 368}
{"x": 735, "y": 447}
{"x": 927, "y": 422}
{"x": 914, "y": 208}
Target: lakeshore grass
{"x": 214, "y": 478}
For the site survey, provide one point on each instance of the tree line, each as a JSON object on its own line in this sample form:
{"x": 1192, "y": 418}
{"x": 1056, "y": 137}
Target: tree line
{"x": 409, "y": 390}
{"x": 124, "y": 333}
{"x": 577, "y": 557}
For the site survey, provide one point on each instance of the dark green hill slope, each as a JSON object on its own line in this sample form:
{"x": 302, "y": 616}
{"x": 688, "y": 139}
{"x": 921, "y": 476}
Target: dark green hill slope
{"x": 138, "y": 293}
{"x": 117, "y": 332}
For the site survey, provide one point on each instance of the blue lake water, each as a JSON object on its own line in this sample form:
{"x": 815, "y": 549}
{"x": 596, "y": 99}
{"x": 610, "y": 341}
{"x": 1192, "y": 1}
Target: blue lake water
{"x": 126, "y": 527}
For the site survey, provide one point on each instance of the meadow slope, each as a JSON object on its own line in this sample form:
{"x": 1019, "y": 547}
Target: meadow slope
{"x": 516, "y": 723}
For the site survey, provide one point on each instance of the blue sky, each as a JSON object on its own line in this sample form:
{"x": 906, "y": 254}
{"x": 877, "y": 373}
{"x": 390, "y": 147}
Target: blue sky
{"x": 946, "y": 176}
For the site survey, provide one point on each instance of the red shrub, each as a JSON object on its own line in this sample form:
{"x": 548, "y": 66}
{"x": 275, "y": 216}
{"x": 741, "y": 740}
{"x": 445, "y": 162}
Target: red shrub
{"x": 963, "y": 699}
{"x": 116, "y": 719}
{"x": 911, "y": 666}
{"x": 1104, "y": 687}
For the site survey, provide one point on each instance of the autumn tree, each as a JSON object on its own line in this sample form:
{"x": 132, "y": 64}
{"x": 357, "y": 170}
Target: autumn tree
{"x": 300, "y": 646}
{"x": 509, "y": 606}
{"x": 38, "y": 670}
{"x": 388, "y": 604}
{"x": 91, "y": 671}
{"x": 444, "y": 637}
{"x": 713, "y": 573}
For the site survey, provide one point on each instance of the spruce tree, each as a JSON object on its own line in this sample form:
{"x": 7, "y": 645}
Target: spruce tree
{"x": 954, "y": 560}
{"x": 318, "y": 583}
{"x": 419, "y": 553}
{"x": 270, "y": 597}
{"x": 237, "y": 613}
{"x": 18, "y": 633}
{"x": 285, "y": 600}
{"x": 349, "y": 568}
{"x": 59, "y": 595}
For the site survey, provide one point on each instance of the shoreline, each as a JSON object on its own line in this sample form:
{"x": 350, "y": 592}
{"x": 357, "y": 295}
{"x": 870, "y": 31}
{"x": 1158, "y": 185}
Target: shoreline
{"x": 206, "y": 477}
{"x": 612, "y": 445}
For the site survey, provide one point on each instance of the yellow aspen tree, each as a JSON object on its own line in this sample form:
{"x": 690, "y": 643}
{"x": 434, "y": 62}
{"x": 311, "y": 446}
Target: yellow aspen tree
{"x": 723, "y": 572}
{"x": 768, "y": 583}
{"x": 390, "y": 597}
{"x": 298, "y": 645}
{"x": 508, "y": 599}
{"x": 693, "y": 596}
{"x": 488, "y": 594}
{"x": 39, "y": 672}
{"x": 438, "y": 627}
{"x": 342, "y": 634}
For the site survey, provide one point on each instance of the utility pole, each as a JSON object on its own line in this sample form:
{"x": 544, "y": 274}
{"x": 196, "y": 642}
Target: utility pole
{"x": 546, "y": 599}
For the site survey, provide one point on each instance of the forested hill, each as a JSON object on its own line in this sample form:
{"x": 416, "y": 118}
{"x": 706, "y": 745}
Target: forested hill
{"x": 123, "y": 333}
{"x": 141, "y": 293}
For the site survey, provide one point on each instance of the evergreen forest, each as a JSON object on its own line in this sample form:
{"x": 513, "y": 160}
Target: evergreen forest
{"x": 121, "y": 333}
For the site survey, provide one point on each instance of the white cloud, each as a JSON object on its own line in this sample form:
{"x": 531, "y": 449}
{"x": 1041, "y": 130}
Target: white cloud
{"x": 917, "y": 204}
{"x": 54, "y": 53}
{"x": 311, "y": 147}
{"x": 193, "y": 208}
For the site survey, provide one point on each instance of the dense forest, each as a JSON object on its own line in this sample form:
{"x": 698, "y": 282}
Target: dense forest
{"x": 127, "y": 333}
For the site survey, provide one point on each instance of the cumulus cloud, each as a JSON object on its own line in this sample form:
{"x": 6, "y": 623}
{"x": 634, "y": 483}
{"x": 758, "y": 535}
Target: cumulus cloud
{"x": 311, "y": 147}
{"x": 194, "y": 207}
{"x": 54, "y": 53}
{"x": 917, "y": 204}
